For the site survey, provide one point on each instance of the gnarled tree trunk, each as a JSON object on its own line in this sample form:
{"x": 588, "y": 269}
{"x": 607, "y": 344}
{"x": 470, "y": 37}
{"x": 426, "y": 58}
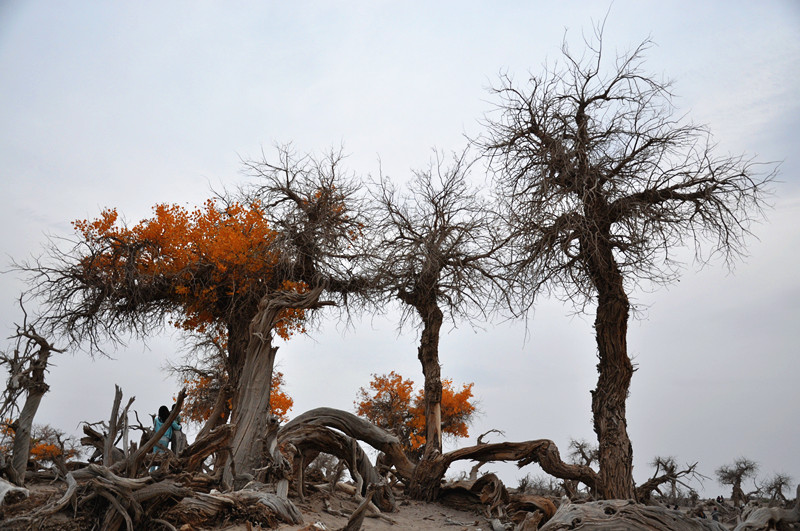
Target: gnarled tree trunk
{"x": 428, "y": 354}
{"x": 615, "y": 453}
{"x": 251, "y": 408}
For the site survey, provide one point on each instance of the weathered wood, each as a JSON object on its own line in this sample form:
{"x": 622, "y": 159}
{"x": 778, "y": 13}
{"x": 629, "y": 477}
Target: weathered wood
{"x": 264, "y": 507}
{"x": 531, "y": 503}
{"x": 304, "y": 438}
{"x": 765, "y": 518}
{"x": 357, "y": 518}
{"x": 358, "y": 428}
{"x": 625, "y": 515}
{"x": 27, "y": 367}
{"x": 214, "y": 441}
{"x": 97, "y": 440}
{"x": 108, "y": 459}
{"x": 11, "y": 494}
{"x": 426, "y": 475}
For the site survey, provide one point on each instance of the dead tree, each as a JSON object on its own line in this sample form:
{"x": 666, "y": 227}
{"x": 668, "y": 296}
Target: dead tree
{"x": 599, "y": 181}
{"x": 26, "y": 364}
{"x": 434, "y": 250}
{"x": 774, "y": 487}
{"x": 734, "y": 474}
{"x": 666, "y": 473}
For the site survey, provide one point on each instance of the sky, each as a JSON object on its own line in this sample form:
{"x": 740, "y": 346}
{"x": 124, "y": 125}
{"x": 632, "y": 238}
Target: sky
{"x": 126, "y": 105}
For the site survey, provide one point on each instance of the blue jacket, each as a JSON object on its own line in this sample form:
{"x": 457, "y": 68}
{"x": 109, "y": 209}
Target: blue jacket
{"x": 163, "y": 443}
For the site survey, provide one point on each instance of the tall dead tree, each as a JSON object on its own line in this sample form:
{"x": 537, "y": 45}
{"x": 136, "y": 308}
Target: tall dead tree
{"x": 434, "y": 249}
{"x": 26, "y": 365}
{"x": 599, "y": 182}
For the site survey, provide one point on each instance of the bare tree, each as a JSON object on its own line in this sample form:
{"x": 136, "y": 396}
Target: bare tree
{"x": 774, "y": 487}
{"x": 666, "y": 472}
{"x": 599, "y": 182}
{"x": 26, "y": 365}
{"x": 582, "y": 452}
{"x": 435, "y": 245}
{"x": 734, "y": 474}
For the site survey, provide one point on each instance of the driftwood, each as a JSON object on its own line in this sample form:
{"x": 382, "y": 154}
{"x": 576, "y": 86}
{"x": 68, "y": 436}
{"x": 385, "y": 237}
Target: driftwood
{"x": 300, "y": 438}
{"x": 431, "y": 471}
{"x": 765, "y": 518}
{"x": 487, "y": 493}
{"x": 625, "y": 515}
{"x": 257, "y": 507}
{"x": 357, "y": 428}
{"x": 10, "y": 493}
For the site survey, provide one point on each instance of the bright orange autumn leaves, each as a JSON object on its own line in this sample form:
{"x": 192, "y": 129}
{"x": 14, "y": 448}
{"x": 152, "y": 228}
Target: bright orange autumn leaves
{"x": 390, "y": 403}
{"x": 211, "y": 262}
{"x": 42, "y": 449}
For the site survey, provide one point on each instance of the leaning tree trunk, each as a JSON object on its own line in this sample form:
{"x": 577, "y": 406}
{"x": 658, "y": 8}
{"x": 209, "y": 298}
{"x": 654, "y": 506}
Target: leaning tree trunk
{"x": 251, "y": 406}
{"x": 608, "y": 399}
{"x": 251, "y": 409}
{"x": 22, "y": 433}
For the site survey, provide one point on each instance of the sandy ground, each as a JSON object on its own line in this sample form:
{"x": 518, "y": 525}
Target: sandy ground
{"x": 410, "y": 515}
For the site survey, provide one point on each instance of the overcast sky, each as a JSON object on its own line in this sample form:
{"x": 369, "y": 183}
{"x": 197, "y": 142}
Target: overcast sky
{"x": 122, "y": 104}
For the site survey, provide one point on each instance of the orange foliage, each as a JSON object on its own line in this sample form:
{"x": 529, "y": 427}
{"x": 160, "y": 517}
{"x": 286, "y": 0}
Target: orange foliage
{"x": 45, "y": 443}
{"x": 210, "y": 259}
{"x": 201, "y": 393}
{"x": 390, "y": 404}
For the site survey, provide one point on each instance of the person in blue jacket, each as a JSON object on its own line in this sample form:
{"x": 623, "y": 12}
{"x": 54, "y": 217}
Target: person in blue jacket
{"x": 163, "y": 442}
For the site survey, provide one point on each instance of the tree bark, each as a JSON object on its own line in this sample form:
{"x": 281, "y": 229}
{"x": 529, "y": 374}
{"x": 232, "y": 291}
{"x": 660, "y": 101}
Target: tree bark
{"x": 428, "y": 354}
{"x": 608, "y": 399}
{"x": 625, "y": 515}
{"x": 251, "y": 411}
{"x": 615, "y": 453}
{"x": 251, "y": 404}
{"x": 22, "y": 433}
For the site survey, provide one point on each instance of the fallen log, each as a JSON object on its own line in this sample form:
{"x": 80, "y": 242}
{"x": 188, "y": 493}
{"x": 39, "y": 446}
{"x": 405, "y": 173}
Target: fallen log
{"x": 257, "y": 507}
{"x": 357, "y": 428}
{"x": 625, "y": 515}
{"x": 11, "y": 494}
{"x": 765, "y": 518}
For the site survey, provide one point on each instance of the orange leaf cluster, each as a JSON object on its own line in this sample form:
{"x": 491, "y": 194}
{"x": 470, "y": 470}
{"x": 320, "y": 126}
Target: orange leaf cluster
{"x": 41, "y": 449}
{"x": 210, "y": 260}
{"x": 44, "y": 451}
{"x": 390, "y": 403}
